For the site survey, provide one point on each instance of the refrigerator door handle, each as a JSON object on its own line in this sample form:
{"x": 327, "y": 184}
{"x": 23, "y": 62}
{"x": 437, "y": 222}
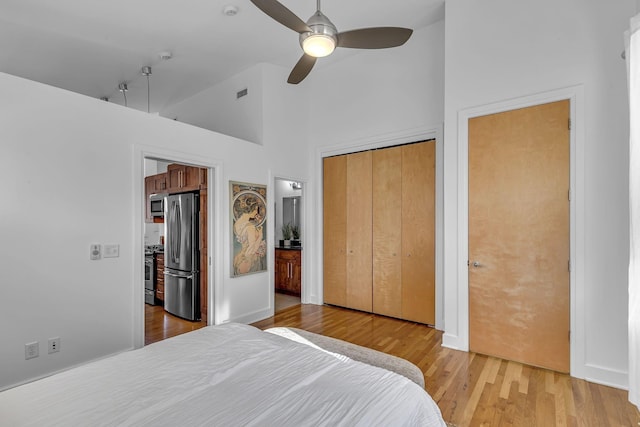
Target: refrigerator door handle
{"x": 175, "y": 225}
{"x": 168, "y": 273}
{"x": 178, "y": 228}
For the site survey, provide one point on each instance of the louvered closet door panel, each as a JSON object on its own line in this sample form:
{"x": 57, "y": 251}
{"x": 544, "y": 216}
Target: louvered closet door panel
{"x": 387, "y": 237}
{"x": 418, "y": 232}
{"x": 335, "y": 230}
{"x": 359, "y": 233}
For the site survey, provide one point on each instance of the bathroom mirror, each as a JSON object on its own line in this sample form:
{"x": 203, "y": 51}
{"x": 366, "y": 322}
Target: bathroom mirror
{"x": 291, "y": 210}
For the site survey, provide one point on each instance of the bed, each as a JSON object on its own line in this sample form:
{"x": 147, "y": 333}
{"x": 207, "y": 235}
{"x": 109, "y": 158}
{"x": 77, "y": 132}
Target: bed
{"x": 226, "y": 375}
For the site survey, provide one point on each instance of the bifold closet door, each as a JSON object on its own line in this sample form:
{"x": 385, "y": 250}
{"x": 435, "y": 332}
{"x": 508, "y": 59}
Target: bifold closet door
{"x": 347, "y": 231}
{"x": 404, "y": 232}
{"x": 418, "y": 232}
{"x": 335, "y": 230}
{"x": 379, "y": 231}
{"x": 387, "y": 232}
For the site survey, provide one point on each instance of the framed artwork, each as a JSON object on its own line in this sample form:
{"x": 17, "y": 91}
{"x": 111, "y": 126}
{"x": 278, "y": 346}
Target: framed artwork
{"x": 249, "y": 235}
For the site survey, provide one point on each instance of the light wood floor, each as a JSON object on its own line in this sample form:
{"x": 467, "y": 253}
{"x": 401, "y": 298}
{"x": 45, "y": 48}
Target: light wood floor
{"x": 471, "y": 389}
{"x": 160, "y": 325}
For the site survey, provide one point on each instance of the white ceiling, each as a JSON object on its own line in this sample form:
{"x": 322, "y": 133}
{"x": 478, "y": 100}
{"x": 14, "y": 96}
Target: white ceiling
{"x": 90, "y": 46}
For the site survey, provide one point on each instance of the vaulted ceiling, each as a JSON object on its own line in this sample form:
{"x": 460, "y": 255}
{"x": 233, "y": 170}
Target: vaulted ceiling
{"x": 90, "y": 46}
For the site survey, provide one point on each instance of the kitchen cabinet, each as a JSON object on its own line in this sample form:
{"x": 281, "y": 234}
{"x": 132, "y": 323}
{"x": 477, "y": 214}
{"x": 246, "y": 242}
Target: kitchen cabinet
{"x": 379, "y": 231}
{"x": 160, "y": 277}
{"x": 159, "y": 183}
{"x": 288, "y": 272}
{"x": 153, "y": 184}
{"x": 182, "y": 178}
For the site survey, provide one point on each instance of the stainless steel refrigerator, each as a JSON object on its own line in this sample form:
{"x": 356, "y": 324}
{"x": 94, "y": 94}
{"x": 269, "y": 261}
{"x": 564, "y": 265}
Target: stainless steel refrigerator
{"x": 181, "y": 252}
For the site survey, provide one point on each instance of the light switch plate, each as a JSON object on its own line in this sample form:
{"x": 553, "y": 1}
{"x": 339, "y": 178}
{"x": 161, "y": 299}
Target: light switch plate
{"x": 95, "y": 252}
{"x": 111, "y": 251}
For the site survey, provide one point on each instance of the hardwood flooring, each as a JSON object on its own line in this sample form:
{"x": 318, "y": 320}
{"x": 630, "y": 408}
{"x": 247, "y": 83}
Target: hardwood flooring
{"x": 159, "y": 325}
{"x": 284, "y": 301}
{"x": 471, "y": 389}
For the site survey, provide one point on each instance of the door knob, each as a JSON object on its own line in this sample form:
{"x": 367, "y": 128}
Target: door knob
{"x": 476, "y": 264}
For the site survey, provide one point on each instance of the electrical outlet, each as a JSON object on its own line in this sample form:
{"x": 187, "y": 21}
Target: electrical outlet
{"x": 54, "y": 345}
{"x": 31, "y": 350}
{"x": 95, "y": 252}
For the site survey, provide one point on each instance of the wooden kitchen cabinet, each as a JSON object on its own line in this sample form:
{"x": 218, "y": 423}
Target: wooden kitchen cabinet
{"x": 181, "y": 178}
{"x": 159, "y": 183}
{"x": 288, "y": 271}
{"x": 153, "y": 184}
{"x": 160, "y": 277}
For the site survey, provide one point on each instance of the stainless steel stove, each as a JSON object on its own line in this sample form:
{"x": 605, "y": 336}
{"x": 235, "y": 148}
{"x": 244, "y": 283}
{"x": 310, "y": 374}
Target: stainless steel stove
{"x": 150, "y": 272}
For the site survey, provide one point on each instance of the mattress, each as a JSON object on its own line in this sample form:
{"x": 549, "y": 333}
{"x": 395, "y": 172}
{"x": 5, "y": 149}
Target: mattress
{"x": 227, "y": 375}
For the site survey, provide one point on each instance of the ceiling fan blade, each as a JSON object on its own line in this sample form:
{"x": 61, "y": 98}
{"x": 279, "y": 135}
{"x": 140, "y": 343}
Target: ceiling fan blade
{"x": 374, "y": 38}
{"x": 302, "y": 69}
{"x": 281, "y": 14}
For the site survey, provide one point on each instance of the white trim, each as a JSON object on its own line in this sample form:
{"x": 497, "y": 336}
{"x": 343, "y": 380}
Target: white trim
{"x": 575, "y": 95}
{"x": 315, "y": 294}
{"x": 215, "y": 226}
{"x": 307, "y": 239}
{"x": 606, "y": 376}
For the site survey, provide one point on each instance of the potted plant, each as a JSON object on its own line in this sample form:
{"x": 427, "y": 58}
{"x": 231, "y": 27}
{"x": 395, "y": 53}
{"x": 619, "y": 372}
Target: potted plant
{"x": 286, "y": 235}
{"x": 295, "y": 235}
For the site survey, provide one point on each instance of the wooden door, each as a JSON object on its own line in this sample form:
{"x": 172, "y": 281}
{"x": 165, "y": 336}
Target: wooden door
{"x": 387, "y": 232}
{"x": 347, "y": 231}
{"x": 519, "y": 235}
{"x": 418, "y": 232}
{"x": 404, "y": 232}
{"x": 335, "y": 230}
{"x": 359, "y": 233}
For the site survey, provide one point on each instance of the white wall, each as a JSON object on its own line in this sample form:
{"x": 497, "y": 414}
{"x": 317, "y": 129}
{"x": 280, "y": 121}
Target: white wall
{"x": 497, "y": 50}
{"x": 376, "y": 92}
{"x": 68, "y": 179}
{"x": 219, "y": 109}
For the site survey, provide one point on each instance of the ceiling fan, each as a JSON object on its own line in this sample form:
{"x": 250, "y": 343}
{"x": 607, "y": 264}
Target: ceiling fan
{"x": 319, "y": 37}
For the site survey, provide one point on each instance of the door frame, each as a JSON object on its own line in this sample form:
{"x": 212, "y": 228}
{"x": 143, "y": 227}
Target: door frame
{"x": 575, "y": 95}
{"x": 214, "y": 228}
{"x": 435, "y": 132}
{"x": 306, "y": 241}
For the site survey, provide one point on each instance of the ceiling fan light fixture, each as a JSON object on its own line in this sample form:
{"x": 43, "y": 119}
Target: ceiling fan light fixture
{"x": 318, "y": 45}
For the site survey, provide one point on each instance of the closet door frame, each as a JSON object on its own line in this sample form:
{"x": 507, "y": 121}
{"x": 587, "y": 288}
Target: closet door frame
{"x": 434, "y": 132}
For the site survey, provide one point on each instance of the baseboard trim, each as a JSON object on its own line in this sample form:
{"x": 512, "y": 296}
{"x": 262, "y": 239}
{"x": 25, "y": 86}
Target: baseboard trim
{"x": 606, "y": 376}
{"x": 252, "y": 317}
{"x": 452, "y": 341}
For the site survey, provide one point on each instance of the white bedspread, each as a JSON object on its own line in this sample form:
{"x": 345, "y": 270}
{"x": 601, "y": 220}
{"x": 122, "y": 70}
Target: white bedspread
{"x": 228, "y": 375}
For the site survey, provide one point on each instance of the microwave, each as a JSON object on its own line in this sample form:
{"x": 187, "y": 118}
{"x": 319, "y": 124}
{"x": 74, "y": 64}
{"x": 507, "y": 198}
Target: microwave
{"x": 157, "y": 205}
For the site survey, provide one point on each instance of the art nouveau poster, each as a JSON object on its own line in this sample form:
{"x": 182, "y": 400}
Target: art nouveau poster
{"x": 248, "y": 215}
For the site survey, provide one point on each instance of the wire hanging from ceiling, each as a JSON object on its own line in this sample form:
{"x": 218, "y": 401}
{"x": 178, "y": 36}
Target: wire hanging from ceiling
{"x": 146, "y": 71}
{"x": 122, "y": 87}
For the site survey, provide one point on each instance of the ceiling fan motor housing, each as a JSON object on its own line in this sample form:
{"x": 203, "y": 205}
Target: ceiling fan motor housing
{"x": 320, "y": 26}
